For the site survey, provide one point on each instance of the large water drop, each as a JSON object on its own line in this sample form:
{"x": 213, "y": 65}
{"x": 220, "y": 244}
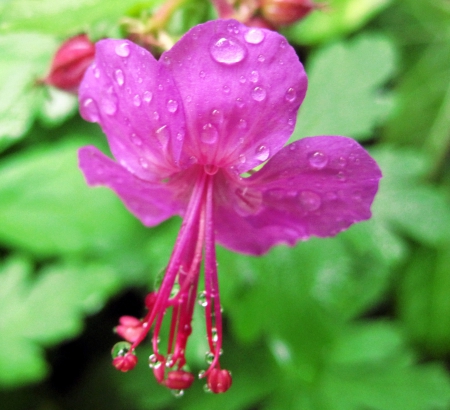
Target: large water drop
{"x": 310, "y": 201}
{"x": 209, "y": 134}
{"x": 123, "y": 49}
{"x": 254, "y": 36}
{"x": 259, "y": 94}
{"x": 318, "y": 160}
{"x": 227, "y": 51}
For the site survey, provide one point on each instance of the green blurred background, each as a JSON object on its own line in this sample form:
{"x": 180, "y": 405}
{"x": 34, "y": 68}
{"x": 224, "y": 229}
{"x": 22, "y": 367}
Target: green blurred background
{"x": 357, "y": 322}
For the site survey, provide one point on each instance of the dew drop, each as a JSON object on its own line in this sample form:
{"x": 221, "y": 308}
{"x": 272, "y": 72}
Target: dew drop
{"x": 202, "y": 74}
{"x": 177, "y": 393}
{"x": 262, "y": 153}
{"x": 254, "y": 76}
{"x": 136, "y": 140}
{"x": 188, "y": 99}
{"x": 162, "y": 134}
{"x": 310, "y": 201}
{"x": 193, "y": 159}
{"x": 137, "y": 100}
{"x": 242, "y": 159}
{"x": 120, "y": 349}
{"x": 291, "y": 121}
{"x": 227, "y": 51}
{"x": 172, "y": 106}
{"x": 160, "y": 87}
{"x": 261, "y": 58}
{"x": 119, "y": 77}
{"x": 180, "y": 135}
{"x": 209, "y": 134}
{"x": 166, "y": 60}
{"x": 214, "y": 335}
{"x": 242, "y": 79}
{"x": 148, "y": 96}
{"x": 259, "y": 94}
{"x": 290, "y": 95}
{"x": 202, "y": 300}
{"x": 155, "y": 115}
{"x": 341, "y": 162}
{"x": 240, "y": 102}
{"x": 90, "y": 110}
{"x": 123, "y": 50}
{"x": 96, "y": 72}
{"x": 140, "y": 80}
{"x": 341, "y": 177}
{"x": 283, "y": 43}
{"x": 209, "y": 357}
{"x": 143, "y": 162}
{"x": 109, "y": 105}
{"x": 242, "y": 124}
{"x": 211, "y": 169}
{"x": 318, "y": 160}
{"x": 226, "y": 89}
{"x": 216, "y": 117}
{"x": 254, "y": 36}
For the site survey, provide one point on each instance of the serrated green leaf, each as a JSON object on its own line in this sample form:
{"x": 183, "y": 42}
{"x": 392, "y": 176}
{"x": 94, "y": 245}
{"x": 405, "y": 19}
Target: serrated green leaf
{"x": 47, "y": 208}
{"x": 345, "y": 94}
{"x": 336, "y": 18}
{"x": 24, "y": 59}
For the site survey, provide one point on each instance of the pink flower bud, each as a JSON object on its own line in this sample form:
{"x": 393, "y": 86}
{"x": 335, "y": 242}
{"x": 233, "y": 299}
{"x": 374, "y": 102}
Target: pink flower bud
{"x": 129, "y": 328}
{"x": 70, "y": 62}
{"x": 179, "y": 380}
{"x": 283, "y": 12}
{"x": 125, "y": 363}
{"x": 219, "y": 380}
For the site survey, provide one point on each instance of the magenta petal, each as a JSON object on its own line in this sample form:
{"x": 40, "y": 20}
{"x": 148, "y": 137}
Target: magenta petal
{"x": 241, "y": 89}
{"x": 315, "y": 186}
{"x": 135, "y": 101}
{"x": 151, "y": 202}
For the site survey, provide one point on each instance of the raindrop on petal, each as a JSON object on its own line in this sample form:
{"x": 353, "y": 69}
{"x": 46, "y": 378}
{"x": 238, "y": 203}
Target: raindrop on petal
{"x": 211, "y": 169}
{"x": 123, "y": 49}
{"x": 148, "y": 96}
{"x": 254, "y": 36}
{"x": 202, "y": 74}
{"x": 290, "y": 95}
{"x": 163, "y": 135}
{"x": 209, "y": 134}
{"x": 242, "y": 158}
{"x": 109, "y": 105}
{"x": 155, "y": 115}
{"x": 137, "y": 100}
{"x": 226, "y": 89}
{"x": 227, "y": 51}
{"x": 136, "y": 140}
{"x": 262, "y": 153}
{"x": 119, "y": 77}
{"x": 261, "y": 58}
{"x": 172, "y": 106}
{"x": 310, "y": 201}
{"x": 240, "y": 102}
{"x": 216, "y": 117}
{"x": 318, "y": 160}
{"x": 242, "y": 124}
{"x": 143, "y": 162}
{"x": 242, "y": 79}
{"x": 254, "y": 76}
{"x": 96, "y": 72}
{"x": 259, "y": 94}
{"x": 90, "y": 110}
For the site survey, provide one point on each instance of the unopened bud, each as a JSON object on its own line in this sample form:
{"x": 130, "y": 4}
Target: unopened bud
{"x": 219, "y": 380}
{"x": 70, "y": 62}
{"x": 179, "y": 380}
{"x": 284, "y": 12}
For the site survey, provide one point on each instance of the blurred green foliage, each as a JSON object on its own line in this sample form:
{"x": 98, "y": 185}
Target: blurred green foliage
{"x": 360, "y": 321}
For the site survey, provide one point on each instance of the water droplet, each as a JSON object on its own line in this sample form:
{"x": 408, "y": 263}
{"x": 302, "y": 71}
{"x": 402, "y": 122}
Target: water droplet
{"x": 254, "y": 36}
{"x": 96, "y": 72}
{"x": 140, "y": 80}
{"x": 177, "y": 393}
{"x": 357, "y": 196}
{"x": 119, "y": 77}
{"x": 172, "y": 106}
{"x": 292, "y": 147}
{"x": 242, "y": 124}
{"x": 261, "y": 58}
{"x": 90, "y": 110}
{"x": 283, "y": 43}
{"x": 310, "y": 201}
{"x": 160, "y": 87}
{"x": 241, "y": 140}
{"x": 254, "y": 76}
{"x": 143, "y": 162}
{"x": 123, "y": 50}
{"x": 137, "y": 100}
{"x": 206, "y": 389}
{"x": 227, "y": 51}
{"x": 341, "y": 162}
{"x": 136, "y": 140}
{"x": 109, "y": 105}
{"x": 120, "y": 349}
{"x": 232, "y": 28}
{"x": 211, "y": 169}
{"x": 242, "y": 159}
{"x": 341, "y": 177}
{"x": 291, "y": 121}
{"x": 214, "y": 335}
{"x": 166, "y": 60}
{"x": 226, "y": 89}
{"x": 163, "y": 135}
{"x": 290, "y": 95}
{"x": 259, "y": 94}
{"x": 180, "y": 135}
{"x": 216, "y": 117}
{"x": 188, "y": 99}
{"x": 240, "y": 102}
{"x": 202, "y": 74}
{"x": 148, "y": 96}
{"x": 209, "y": 134}
{"x": 262, "y": 153}
{"x": 202, "y": 300}
{"x": 318, "y": 160}
{"x": 156, "y": 115}
{"x": 209, "y": 357}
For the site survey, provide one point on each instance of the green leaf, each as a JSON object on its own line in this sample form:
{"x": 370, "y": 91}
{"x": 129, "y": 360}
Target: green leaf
{"x": 337, "y": 18}
{"x": 24, "y": 59}
{"x": 61, "y": 17}
{"x": 44, "y": 311}
{"x": 47, "y": 208}
{"x": 345, "y": 95}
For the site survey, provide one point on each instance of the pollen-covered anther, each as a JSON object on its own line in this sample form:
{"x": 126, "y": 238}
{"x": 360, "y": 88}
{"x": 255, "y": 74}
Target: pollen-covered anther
{"x": 179, "y": 380}
{"x": 219, "y": 380}
{"x": 125, "y": 363}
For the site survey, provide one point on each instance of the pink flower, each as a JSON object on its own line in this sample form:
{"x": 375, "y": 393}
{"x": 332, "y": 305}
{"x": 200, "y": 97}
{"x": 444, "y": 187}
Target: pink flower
{"x": 184, "y": 131}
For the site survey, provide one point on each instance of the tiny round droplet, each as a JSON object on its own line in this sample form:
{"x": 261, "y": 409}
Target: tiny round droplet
{"x": 155, "y": 115}
{"x": 254, "y": 76}
{"x": 96, "y": 72}
{"x": 259, "y": 94}
{"x": 172, "y": 106}
{"x": 242, "y": 79}
{"x": 166, "y": 60}
{"x": 261, "y": 58}
{"x": 226, "y": 89}
{"x": 216, "y": 117}
{"x": 136, "y": 140}
{"x": 290, "y": 95}
{"x": 143, "y": 162}
{"x": 148, "y": 96}
{"x": 123, "y": 49}
{"x": 209, "y": 134}
{"x": 262, "y": 153}
{"x": 318, "y": 160}
{"x": 202, "y": 74}
{"x": 254, "y": 36}
{"x": 242, "y": 124}
{"x": 137, "y": 100}
{"x": 119, "y": 77}
{"x": 90, "y": 110}
{"x": 310, "y": 201}
{"x": 227, "y": 50}
{"x": 240, "y": 102}
{"x": 120, "y": 349}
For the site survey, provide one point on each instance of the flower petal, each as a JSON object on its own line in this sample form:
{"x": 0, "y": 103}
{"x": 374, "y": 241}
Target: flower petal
{"x": 151, "y": 202}
{"x": 241, "y": 89}
{"x": 136, "y": 103}
{"x": 315, "y": 186}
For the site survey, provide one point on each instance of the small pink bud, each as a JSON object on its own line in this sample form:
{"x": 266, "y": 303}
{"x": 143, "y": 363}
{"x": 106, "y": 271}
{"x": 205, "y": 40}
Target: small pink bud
{"x": 129, "y": 328}
{"x": 125, "y": 363}
{"x": 283, "y": 12}
{"x": 150, "y": 300}
{"x": 70, "y": 62}
{"x": 179, "y": 380}
{"x": 219, "y": 380}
